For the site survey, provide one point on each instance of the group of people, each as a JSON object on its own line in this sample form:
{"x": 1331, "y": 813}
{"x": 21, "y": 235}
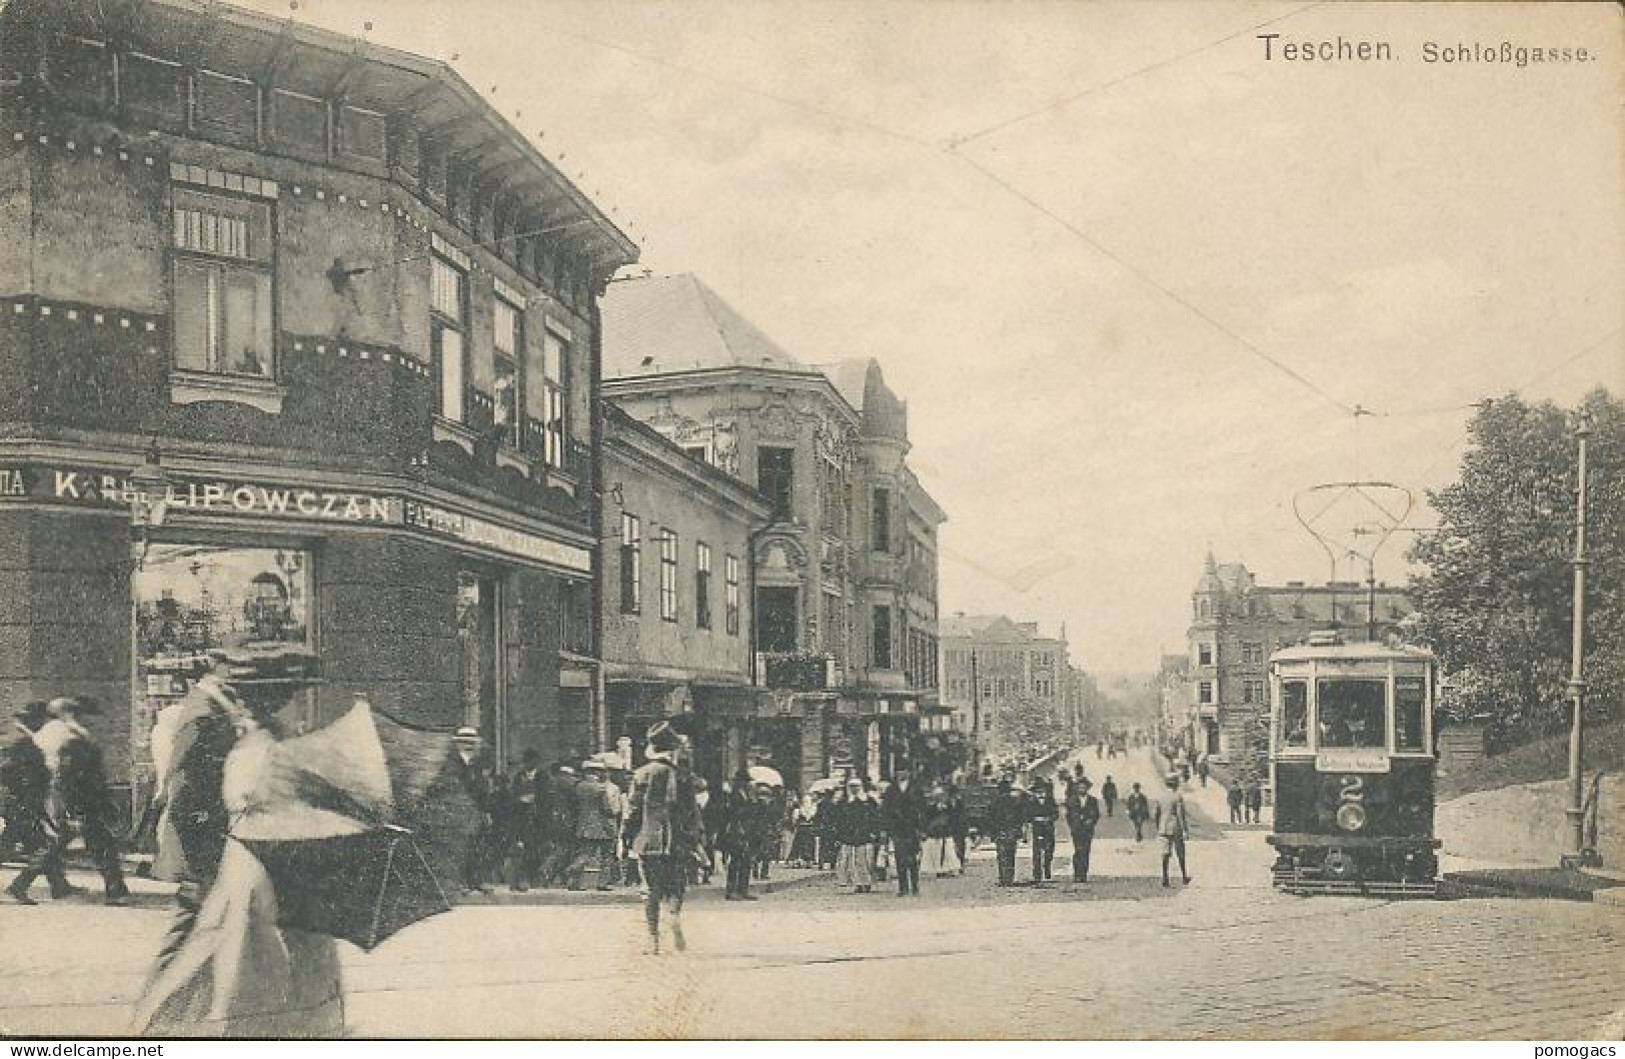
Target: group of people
{"x": 53, "y": 786}
{"x": 540, "y": 826}
{"x": 1246, "y": 800}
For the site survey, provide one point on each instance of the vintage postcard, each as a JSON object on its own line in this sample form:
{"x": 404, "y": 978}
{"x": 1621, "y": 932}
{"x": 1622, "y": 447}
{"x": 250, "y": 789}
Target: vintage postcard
{"x": 811, "y": 520}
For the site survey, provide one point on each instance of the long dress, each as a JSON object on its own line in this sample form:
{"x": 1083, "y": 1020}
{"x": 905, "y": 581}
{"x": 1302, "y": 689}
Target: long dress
{"x": 235, "y": 972}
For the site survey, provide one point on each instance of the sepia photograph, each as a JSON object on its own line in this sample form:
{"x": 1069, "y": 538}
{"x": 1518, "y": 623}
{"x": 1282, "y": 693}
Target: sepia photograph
{"x": 811, "y": 520}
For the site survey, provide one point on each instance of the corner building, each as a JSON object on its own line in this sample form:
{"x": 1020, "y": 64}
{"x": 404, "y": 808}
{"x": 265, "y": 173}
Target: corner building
{"x": 298, "y": 346}
{"x": 845, "y": 572}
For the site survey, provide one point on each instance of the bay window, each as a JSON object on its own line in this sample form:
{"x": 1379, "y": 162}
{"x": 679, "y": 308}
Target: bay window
{"x": 222, "y": 284}
{"x": 447, "y": 332}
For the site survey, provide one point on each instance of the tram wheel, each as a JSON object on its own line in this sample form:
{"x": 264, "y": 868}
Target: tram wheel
{"x": 1339, "y": 866}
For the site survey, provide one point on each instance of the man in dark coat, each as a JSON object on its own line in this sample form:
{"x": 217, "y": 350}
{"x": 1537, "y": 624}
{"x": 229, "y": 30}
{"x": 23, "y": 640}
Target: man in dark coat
{"x": 663, "y": 820}
{"x": 78, "y": 794}
{"x": 904, "y": 811}
{"x": 530, "y": 796}
{"x": 25, "y": 784}
{"x": 1045, "y": 812}
{"x": 738, "y": 827}
{"x": 1108, "y": 794}
{"x": 1082, "y": 815}
{"x": 1008, "y": 816}
{"x": 473, "y": 773}
{"x": 561, "y": 829}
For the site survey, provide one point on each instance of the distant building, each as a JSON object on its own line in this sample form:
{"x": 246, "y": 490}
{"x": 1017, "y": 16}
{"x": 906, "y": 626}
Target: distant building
{"x": 845, "y": 573}
{"x": 990, "y": 662}
{"x": 677, "y": 606}
{"x": 1236, "y": 624}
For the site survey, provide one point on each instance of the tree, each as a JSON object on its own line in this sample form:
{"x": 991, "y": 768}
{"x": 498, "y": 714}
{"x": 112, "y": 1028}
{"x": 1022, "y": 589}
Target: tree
{"x": 1495, "y": 599}
{"x": 1028, "y": 722}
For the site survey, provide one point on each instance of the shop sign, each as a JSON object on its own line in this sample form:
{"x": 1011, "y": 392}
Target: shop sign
{"x": 495, "y": 536}
{"x": 213, "y": 496}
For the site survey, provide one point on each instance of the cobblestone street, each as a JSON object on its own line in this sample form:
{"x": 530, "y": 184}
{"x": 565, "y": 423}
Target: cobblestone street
{"x": 1120, "y": 957}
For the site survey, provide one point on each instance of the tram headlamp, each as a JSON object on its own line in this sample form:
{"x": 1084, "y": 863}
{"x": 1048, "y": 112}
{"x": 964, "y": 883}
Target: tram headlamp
{"x": 1351, "y": 816}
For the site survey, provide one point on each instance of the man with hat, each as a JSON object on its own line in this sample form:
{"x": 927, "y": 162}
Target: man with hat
{"x": 1082, "y": 816}
{"x": 190, "y": 741}
{"x": 1172, "y": 827}
{"x": 663, "y": 821}
{"x": 474, "y": 774}
{"x": 78, "y": 792}
{"x": 904, "y": 810}
{"x": 1009, "y": 813}
{"x": 598, "y": 818}
{"x": 25, "y": 784}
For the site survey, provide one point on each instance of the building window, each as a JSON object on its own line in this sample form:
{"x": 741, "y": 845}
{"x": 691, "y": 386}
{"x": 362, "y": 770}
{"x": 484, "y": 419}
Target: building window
{"x": 882, "y": 520}
{"x": 1252, "y": 654}
{"x": 775, "y": 478}
{"x": 1252, "y": 691}
{"x": 702, "y": 585}
{"x": 698, "y": 453}
{"x": 777, "y": 619}
{"x": 447, "y": 327}
{"x": 882, "y": 638}
{"x": 554, "y": 392}
{"x": 1204, "y": 692}
{"x": 668, "y": 575}
{"x": 631, "y": 563}
{"x": 509, "y": 338}
{"x": 1204, "y": 654}
{"x": 223, "y": 284}
{"x": 730, "y": 601}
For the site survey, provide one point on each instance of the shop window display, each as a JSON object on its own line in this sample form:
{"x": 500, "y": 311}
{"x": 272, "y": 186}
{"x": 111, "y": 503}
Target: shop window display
{"x": 193, "y": 599}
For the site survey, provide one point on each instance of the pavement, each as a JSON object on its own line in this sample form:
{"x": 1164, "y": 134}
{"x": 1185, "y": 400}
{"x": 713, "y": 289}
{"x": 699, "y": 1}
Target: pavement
{"x": 1118, "y": 957}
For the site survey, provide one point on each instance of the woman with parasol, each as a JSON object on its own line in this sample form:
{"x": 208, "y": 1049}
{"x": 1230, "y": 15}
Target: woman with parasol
{"x": 306, "y": 836}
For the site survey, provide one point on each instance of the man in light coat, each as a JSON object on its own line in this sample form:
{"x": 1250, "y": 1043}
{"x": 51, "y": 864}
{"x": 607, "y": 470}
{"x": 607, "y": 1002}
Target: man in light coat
{"x": 598, "y": 818}
{"x": 664, "y": 824}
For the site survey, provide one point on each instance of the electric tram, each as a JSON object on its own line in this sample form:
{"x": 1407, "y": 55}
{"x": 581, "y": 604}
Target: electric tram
{"x": 1351, "y": 765}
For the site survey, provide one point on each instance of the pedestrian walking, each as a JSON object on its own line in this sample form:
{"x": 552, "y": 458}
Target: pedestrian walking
{"x": 664, "y": 821}
{"x": 25, "y": 787}
{"x": 804, "y": 843}
{"x": 598, "y": 818}
{"x": 1138, "y": 808}
{"x": 941, "y": 857}
{"x": 530, "y": 800}
{"x": 1233, "y": 798}
{"x": 1253, "y": 800}
{"x": 234, "y": 970}
{"x": 77, "y": 798}
{"x": 856, "y": 826}
{"x": 560, "y": 837}
{"x": 1108, "y": 794}
{"x": 1202, "y": 768}
{"x": 1172, "y": 828}
{"x": 1044, "y": 813}
{"x": 737, "y": 835}
{"x": 1082, "y": 816}
{"x": 959, "y": 821}
{"x": 1009, "y": 815}
{"x": 904, "y": 812}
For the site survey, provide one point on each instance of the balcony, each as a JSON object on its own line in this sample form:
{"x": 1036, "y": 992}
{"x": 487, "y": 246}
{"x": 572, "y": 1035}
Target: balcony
{"x": 794, "y": 670}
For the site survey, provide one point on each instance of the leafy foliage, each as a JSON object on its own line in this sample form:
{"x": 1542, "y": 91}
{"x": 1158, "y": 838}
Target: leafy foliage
{"x": 1028, "y": 722}
{"x": 1495, "y": 600}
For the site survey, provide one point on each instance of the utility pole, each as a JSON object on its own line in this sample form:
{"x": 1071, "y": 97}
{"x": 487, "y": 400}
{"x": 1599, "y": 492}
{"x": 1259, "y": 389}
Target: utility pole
{"x": 1576, "y": 854}
{"x": 975, "y": 703}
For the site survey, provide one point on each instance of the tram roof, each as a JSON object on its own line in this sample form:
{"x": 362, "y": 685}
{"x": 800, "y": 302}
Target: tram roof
{"x": 1352, "y": 652}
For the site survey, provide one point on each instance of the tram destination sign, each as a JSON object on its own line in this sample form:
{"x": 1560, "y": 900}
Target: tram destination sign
{"x": 92, "y": 487}
{"x": 1351, "y": 761}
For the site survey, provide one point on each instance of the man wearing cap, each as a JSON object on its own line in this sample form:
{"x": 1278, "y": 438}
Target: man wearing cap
{"x": 25, "y": 783}
{"x": 598, "y": 817}
{"x": 663, "y": 821}
{"x": 1082, "y": 816}
{"x": 1172, "y": 827}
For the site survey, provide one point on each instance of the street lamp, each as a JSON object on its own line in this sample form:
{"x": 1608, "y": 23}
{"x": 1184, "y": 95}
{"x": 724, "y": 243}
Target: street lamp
{"x": 149, "y": 500}
{"x": 1576, "y": 854}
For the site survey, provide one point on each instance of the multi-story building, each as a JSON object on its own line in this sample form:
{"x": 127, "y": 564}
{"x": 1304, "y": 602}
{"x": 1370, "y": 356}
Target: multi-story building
{"x": 850, "y": 531}
{"x": 1236, "y": 624}
{"x": 298, "y": 347}
{"x": 990, "y": 662}
{"x": 677, "y": 607}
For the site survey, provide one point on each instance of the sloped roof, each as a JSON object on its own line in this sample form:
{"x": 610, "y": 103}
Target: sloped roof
{"x": 676, "y": 323}
{"x": 989, "y": 628}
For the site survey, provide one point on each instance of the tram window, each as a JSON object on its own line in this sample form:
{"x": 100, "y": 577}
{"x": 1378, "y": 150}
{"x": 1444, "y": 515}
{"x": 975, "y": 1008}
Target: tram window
{"x": 1351, "y": 713}
{"x": 1295, "y": 712}
{"x": 1410, "y": 695}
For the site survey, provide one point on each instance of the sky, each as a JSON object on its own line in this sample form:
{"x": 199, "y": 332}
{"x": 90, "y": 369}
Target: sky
{"x": 1132, "y": 277}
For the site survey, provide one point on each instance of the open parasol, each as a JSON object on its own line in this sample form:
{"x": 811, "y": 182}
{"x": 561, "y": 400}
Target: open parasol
{"x": 826, "y": 784}
{"x": 324, "y": 835}
{"x": 763, "y": 774}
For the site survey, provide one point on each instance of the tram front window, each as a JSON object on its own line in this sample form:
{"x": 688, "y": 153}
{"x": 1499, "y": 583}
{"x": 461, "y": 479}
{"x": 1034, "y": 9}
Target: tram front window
{"x": 1295, "y": 712}
{"x": 1410, "y": 695}
{"x": 1351, "y": 713}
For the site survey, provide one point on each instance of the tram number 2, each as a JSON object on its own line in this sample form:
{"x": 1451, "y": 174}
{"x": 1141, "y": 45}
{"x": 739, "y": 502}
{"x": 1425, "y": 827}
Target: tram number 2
{"x": 1351, "y": 812}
